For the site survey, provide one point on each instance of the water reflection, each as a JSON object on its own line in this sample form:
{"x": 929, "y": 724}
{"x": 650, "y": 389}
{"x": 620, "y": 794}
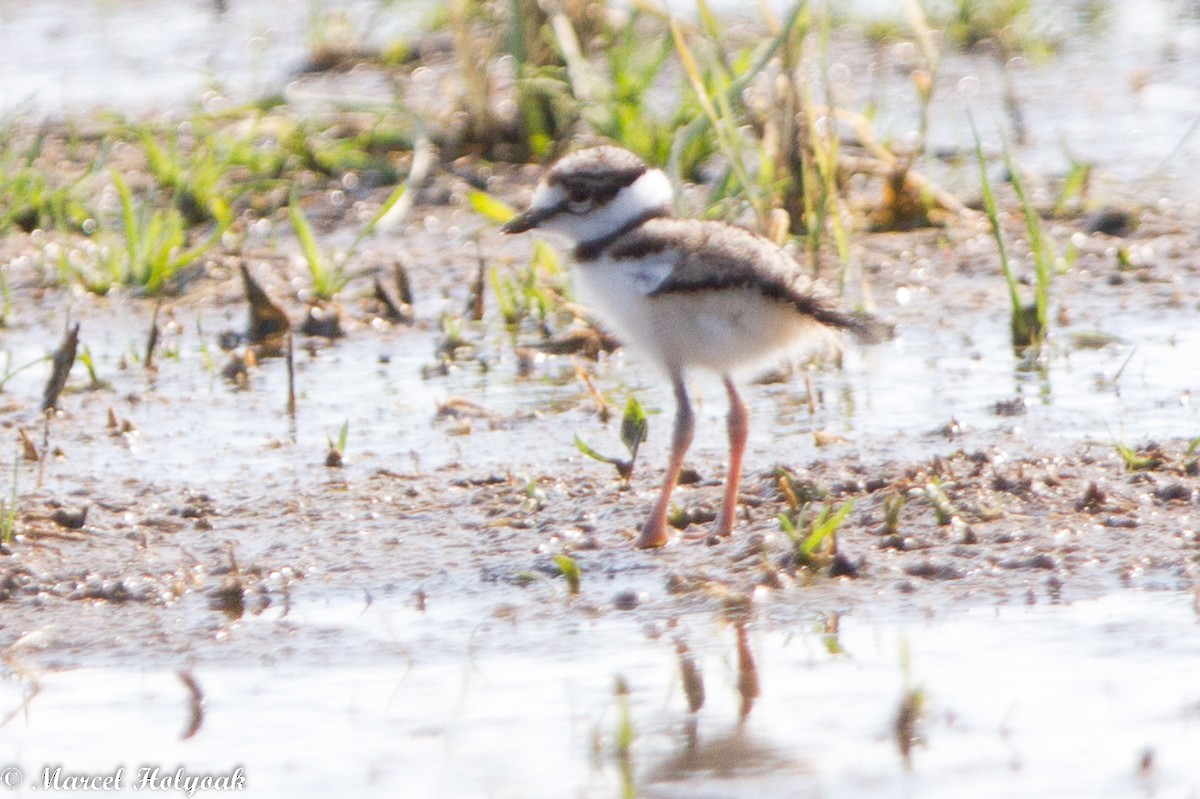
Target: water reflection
{"x": 719, "y": 762}
{"x": 1092, "y": 699}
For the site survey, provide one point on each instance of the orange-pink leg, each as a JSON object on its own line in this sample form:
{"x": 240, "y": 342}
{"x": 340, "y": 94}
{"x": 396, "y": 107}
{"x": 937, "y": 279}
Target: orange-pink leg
{"x": 739, "y": 428}
{"x": 654, "y": 531}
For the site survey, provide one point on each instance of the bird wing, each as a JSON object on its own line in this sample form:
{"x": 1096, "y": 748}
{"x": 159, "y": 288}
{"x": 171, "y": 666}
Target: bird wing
{"x": 713, "y": 256}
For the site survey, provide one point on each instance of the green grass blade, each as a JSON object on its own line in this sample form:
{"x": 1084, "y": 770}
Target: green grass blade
{"x": 1020, "y": 328}
{"x": 8, "y": 524}
{"x": 1135, "y": 462}
{"x": 388, "y": 206}
{"x": 162, "y": 166}
{"x": 308, "y": 246}
{"x": 1038, "y": 245}
{"x": 489, "y": 207}
{"x": 507, "y": 302}
{"x": 591, "y": 453}
{"x": 825, "y": 525}
{"x": 692, "y": 130}
{"x": 570, "y": 571}
{"x": 128, "y": 219}
{"x": 546, "y": 258}
{"x": 634, "y": 427}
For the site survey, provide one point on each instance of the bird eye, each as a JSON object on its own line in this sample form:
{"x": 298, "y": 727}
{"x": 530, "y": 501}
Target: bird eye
{"x": 579, "y": 206}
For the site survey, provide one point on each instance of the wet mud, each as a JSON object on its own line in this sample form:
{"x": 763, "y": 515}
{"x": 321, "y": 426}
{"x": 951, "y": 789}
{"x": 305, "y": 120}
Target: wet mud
{"x": 183, "y": 496}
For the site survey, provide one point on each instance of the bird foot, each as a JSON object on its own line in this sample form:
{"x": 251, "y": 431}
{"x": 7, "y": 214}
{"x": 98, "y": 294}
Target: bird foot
{"x": 652, "y": 536}
{"x": 723, "y": 526}
{"x": 721, "y": 530}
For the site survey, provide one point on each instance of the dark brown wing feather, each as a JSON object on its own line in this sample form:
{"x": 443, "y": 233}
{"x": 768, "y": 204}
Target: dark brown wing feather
{"x": 714, "y": 256}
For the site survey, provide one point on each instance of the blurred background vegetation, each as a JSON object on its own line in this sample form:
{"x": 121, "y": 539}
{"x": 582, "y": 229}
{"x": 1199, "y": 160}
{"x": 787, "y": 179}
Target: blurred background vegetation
{"x": 736, "y": 104}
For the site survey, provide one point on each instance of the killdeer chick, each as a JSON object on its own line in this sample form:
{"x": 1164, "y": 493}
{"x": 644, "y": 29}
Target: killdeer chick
{"x": 687, "y": 293}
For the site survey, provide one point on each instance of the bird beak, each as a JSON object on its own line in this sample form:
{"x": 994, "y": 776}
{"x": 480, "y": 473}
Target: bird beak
{"x": 529, "y": 219}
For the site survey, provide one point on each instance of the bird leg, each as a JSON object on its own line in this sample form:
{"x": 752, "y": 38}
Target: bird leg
{"x": 654, "y": 531}
{"x": 739, "y": 428}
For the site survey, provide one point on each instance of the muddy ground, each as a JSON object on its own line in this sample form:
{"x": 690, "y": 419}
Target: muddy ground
{"x": 206, "y": 504}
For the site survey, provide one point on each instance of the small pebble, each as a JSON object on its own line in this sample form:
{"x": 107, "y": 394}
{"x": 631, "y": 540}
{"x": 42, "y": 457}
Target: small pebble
{"x": 626, "y": 600}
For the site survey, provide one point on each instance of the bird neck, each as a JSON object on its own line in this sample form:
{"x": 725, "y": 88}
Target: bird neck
{"x": 593, "y": 248}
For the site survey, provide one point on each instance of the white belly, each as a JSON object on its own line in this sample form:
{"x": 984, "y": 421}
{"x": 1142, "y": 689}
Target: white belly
{"x": 723, "y": 330}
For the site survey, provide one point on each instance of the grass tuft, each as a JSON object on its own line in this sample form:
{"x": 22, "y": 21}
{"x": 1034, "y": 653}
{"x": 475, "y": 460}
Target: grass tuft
{"x": 809, "y": 537}
{"x": 1029, "y": 323}
{"x": 943, "y": 509}
{"x": 634, "y": 430}
{"x": 1141, "y": 460}
{"x": 8, "y": 509}
{"x": 570, "y": 572}
{"x": 335, "y": 456}
{"x": 911, "y": 711}
{"x": 624, "y": 738}
{"x": 148, "y": 248}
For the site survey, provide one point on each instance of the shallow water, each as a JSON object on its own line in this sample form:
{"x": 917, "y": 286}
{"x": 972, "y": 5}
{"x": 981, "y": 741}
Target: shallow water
{"x": 1134, "y": 114}
{"x": 66, "y": 56}
{"x": 506, "y": 703}
{"x": 894, "y": 399}
{"x": 1120, "y": 92}
{"x": 897, "y": 397}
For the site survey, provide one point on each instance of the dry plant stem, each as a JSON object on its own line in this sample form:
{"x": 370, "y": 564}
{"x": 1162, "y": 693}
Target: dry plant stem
{"x": 811, "y": 393}
{"x": 267, "y": 321}
{"x": 654, "y": 531}
{"x": 474, "y": 309}
{"x": 602, "y": 410}
{"x": 47, "y": 415}
{"x": 64, "y": 359}
{"x": 472, "y": 54}
{"x": 195, "y": 705}
{"x": 739, "y": 427}
{"x": 30, "y": 450}
{"x": 35, "y": 686}
{"x": 887, "y": 168}
{"x": 884, "y": 161}
{"x": 152, "y": 338}
{"x": 291, "y": 378}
